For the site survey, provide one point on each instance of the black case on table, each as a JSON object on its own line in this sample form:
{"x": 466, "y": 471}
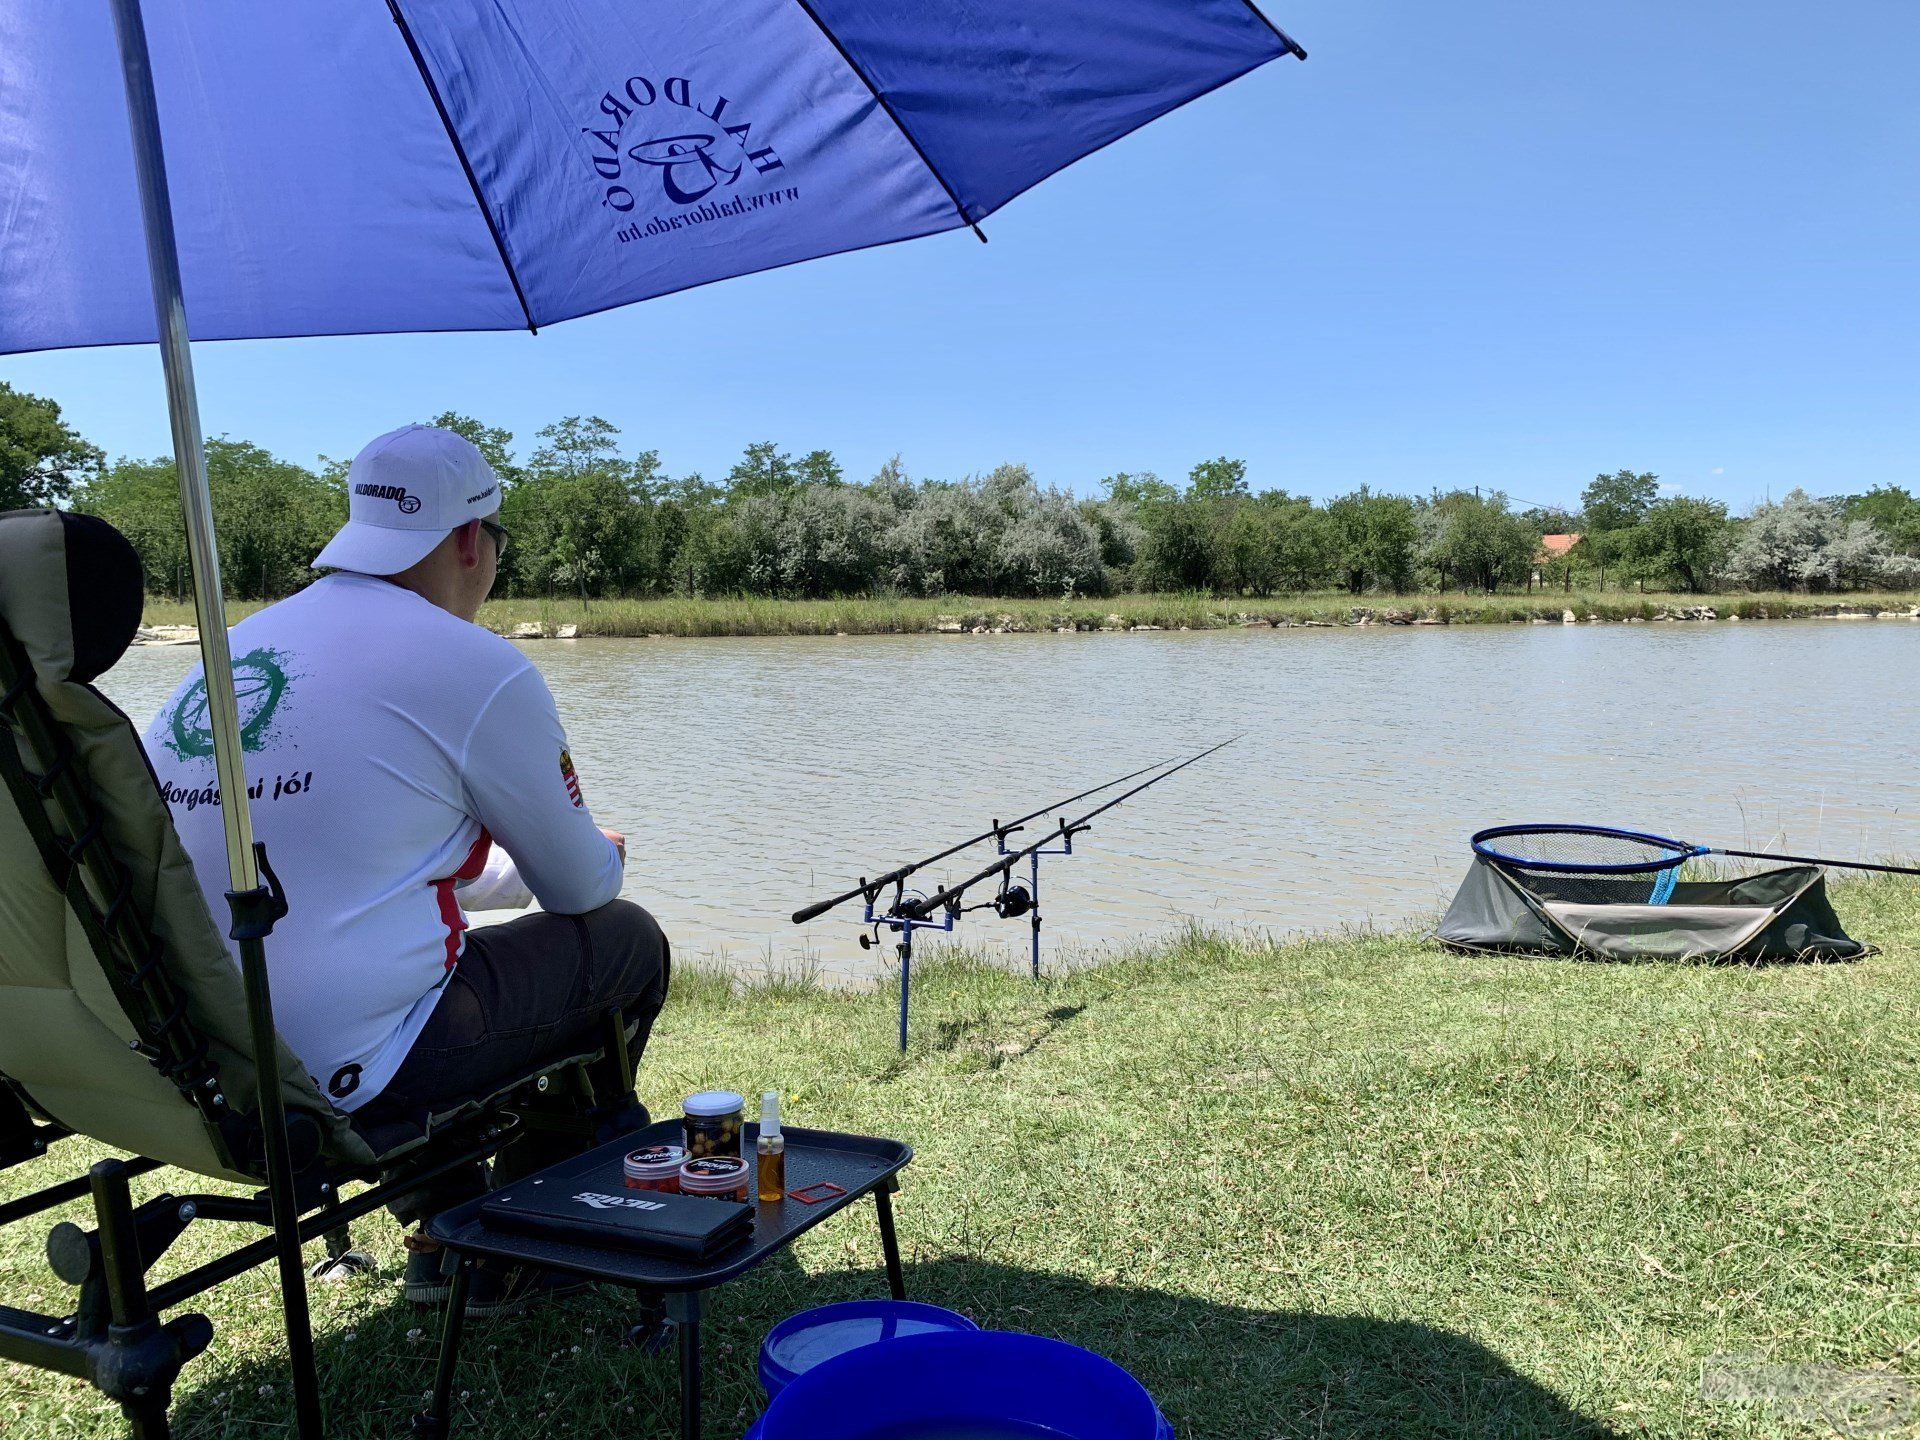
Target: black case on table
{"x": 591, "y": 1204}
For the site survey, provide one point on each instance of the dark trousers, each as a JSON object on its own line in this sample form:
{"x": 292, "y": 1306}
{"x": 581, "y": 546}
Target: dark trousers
{"x": 525, "y": 994}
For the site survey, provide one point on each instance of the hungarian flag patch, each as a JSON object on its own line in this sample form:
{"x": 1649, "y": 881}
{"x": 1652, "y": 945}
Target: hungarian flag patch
{"x": 573, "y": 780}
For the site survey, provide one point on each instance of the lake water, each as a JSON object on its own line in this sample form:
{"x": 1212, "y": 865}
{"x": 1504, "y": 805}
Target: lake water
{"x": 755, "y": 774}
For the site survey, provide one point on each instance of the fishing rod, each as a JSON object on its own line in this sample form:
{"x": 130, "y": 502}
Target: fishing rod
{"x": 1064, "y": 831}
{"x": 870, "y": 889}
{"x": 906, "y": 913}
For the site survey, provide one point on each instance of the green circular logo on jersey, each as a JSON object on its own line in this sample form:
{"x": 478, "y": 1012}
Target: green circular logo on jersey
{"x": 259, "y": 685}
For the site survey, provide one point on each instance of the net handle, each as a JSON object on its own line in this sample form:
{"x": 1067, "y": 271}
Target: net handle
{"x": 1683, "y": 852}
{"x": 1815, "y": 860}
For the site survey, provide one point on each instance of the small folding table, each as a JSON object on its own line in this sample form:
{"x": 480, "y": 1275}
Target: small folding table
{"x": 819, "y": 1163}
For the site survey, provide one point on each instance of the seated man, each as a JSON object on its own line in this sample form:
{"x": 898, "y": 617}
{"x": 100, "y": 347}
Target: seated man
{"x": 403, "y": 760}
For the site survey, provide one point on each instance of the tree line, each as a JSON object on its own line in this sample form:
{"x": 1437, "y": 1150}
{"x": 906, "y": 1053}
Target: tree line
{"x": 592, "y": 519}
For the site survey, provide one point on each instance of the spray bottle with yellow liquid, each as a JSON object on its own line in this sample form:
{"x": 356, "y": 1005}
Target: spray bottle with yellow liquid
{"x": 770, "y": 1150}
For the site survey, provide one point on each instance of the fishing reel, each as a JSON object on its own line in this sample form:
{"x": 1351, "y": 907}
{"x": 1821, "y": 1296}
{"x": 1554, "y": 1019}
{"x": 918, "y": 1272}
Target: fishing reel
{"x": 1013, "y": 901}
{"x": 909, "y": 910}
{"x": 1009, "y": 902}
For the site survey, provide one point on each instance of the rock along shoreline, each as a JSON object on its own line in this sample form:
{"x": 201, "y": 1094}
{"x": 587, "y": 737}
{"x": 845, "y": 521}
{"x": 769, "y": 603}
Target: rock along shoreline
{"x": 1358, "y": 616}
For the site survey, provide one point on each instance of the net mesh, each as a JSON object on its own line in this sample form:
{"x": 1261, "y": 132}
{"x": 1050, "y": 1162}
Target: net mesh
{"x": 1590, "y": 851}
{"x": 1587, "y": 866}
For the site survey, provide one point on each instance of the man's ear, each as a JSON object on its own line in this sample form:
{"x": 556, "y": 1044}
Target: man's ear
{"x": 466, "y": 540}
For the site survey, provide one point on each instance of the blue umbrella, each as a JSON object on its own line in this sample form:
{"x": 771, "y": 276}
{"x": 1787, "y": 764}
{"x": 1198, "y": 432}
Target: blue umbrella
{"x": 344, "y": 167}
{"x": 332, "y": 167}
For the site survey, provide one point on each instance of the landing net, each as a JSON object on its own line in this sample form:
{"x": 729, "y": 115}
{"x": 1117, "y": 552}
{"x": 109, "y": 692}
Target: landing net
{"x": 1588, "y": 864}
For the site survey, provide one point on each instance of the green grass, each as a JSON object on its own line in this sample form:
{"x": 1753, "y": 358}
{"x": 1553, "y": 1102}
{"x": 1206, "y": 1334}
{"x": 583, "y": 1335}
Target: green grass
{"x": 683, "y": 616}
{"x": 1350, "y": 1186}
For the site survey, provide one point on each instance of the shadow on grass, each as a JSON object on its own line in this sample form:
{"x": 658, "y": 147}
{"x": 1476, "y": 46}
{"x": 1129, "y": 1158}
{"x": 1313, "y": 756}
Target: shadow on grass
{"x": 1019, "y": 1038}
{"x": 1219, "y": 1372}
{"x": 1222, "y": 1371}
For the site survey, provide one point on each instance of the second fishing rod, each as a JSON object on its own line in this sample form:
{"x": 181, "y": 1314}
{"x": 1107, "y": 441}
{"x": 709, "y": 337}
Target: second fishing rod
{"x": 870, "y": 890}
{"x": 948, "y": 897}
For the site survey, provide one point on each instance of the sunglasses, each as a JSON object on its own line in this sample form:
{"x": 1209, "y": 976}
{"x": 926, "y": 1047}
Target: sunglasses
{"x": 499, "y": 534}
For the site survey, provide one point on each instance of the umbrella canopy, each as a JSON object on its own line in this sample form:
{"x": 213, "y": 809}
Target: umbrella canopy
{"x": 348, "y": 166}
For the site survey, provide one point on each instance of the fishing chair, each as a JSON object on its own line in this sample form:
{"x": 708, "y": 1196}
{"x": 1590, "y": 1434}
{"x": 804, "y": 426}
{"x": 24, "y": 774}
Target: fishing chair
{"x": 124, "y": 1018}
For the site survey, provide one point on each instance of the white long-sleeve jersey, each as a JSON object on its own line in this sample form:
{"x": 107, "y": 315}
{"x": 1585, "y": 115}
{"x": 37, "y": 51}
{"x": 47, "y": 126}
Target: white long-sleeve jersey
{"x": 389, "y": 746}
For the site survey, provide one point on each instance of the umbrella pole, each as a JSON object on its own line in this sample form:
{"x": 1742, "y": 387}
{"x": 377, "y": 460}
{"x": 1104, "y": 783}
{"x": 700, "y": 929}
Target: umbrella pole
{"x": 254, "y": 906}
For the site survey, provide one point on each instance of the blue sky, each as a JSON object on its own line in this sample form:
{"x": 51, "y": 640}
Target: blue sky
{"x": 1500, "y": 244}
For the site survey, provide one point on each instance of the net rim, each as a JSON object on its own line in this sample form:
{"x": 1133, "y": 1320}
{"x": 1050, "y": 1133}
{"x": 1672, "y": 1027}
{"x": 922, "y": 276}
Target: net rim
{"x": 1682, "y": 852}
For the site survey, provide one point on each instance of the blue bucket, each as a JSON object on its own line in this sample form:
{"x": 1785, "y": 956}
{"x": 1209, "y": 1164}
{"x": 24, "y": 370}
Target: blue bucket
{"x": 800, "y": 1342}
{"x": 985, "y": 1382}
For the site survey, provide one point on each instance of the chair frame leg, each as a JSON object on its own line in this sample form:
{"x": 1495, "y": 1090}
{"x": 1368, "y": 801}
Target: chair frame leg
{"x": 140, "y": 1357}
{"x": 148, "y": 1421}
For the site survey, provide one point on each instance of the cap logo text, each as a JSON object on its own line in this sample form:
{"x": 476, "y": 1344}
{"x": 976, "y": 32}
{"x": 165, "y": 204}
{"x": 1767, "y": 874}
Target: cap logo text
{"x": 408, "y": 504}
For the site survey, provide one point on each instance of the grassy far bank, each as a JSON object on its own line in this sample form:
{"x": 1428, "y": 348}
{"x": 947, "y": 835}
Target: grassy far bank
{"x": 682, "y": 616}
{"x": 1348, "y": 1187}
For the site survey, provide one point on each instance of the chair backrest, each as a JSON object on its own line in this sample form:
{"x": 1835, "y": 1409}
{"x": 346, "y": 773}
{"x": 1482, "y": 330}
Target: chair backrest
{"x": 122, "y": 1015}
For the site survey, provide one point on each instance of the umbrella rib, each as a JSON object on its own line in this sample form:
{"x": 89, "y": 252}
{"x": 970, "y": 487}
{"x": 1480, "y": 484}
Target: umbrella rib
{"x": 473, "y": 181}
{"x": 1285, "y": 39}
{"x": 898, "y": 123}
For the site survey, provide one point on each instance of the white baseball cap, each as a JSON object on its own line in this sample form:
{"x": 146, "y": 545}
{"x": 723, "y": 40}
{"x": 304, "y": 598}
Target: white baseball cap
{"x": 405, "y": 491}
